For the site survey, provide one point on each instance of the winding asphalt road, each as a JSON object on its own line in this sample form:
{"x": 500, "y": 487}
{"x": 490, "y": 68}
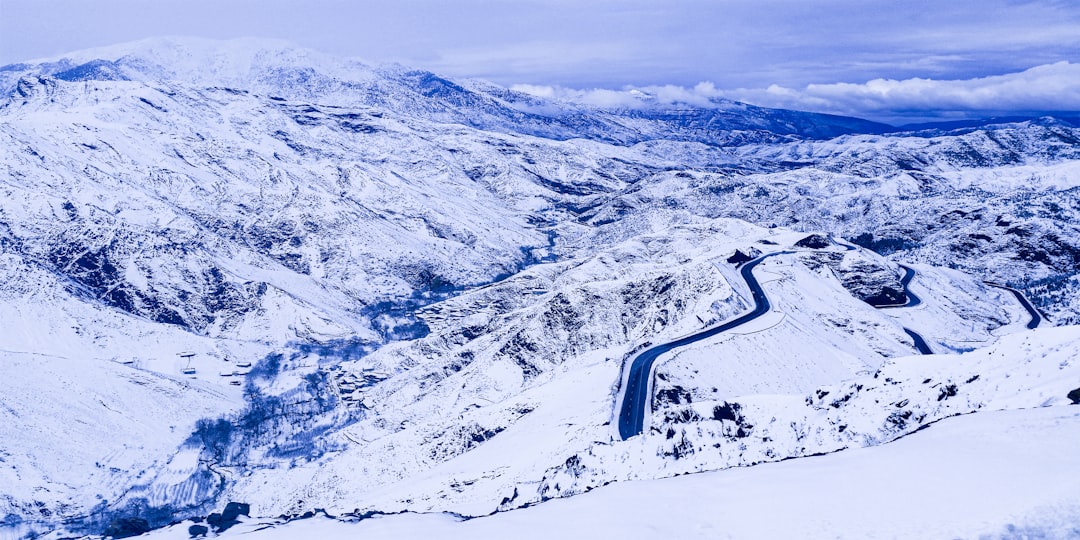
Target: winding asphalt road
{"x": 637, "y": 396}
{"x": 912, "y": 301}
{"x": 920, "y": 343}
{"x": 1036, "y": 317}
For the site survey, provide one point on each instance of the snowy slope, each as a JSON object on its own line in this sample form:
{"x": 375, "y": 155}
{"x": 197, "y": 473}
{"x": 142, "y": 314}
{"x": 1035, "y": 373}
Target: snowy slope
{"x": 535, "y": 362}
{"x": 988, "y": 475}
{"x": 42, "y": 316}
{"x": 256, "y": 213}
{"x": 84, "y": 435}
{"x": 999, "y": 202}
{"x": 822, "y": 334}
{"x": 434, "y": 286}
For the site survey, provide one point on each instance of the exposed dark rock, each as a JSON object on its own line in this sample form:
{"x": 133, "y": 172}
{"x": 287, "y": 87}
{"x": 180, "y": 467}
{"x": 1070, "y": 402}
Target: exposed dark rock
{"x": 214, "y": 520}
{"x": 234, "y": 510}
{"x": 728, "y": 411}
{"x": 1074, "y": 396}
{"x": 676, "y": 395}
{"x": 741, "y": 256}
{"x": 947, "y": 392}
{"x": 127, "y": 527}
{"x": 227, "y": 518}
{"x": 814, "y": 241}
{"x": 870, "y": 281}
{"x": 883, "y": 246}
{"x": 681, "y": 416}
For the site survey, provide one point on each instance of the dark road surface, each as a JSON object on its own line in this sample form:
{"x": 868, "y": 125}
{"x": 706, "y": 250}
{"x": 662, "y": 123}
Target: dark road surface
{"x": 912, "y": 299}
{"x": 636, "y": 394}
{"x": 920, "y": 343}
{"x": 1036, "y": 317}
{"x": 636, "y": 397}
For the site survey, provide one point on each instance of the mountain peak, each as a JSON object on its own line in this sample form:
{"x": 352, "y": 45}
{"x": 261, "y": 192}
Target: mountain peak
{"x": 206, "y": 62}
{"x": 168, "y": 49}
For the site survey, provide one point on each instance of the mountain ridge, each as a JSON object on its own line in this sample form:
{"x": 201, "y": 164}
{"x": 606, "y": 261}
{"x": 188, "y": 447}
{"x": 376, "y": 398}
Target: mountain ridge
{"x": 267, "y": 66}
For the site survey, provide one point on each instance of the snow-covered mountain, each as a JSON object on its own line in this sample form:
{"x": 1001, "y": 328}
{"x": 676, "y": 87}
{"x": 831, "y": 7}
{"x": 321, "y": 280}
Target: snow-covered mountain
{"x": 280, "y": 70}
{"x": 297, "y": 281}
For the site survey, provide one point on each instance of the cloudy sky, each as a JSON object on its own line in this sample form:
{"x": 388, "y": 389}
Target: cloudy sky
{"x": 888, "y": 60}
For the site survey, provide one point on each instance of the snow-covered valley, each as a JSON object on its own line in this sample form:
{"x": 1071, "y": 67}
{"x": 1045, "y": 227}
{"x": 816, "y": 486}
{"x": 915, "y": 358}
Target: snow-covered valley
{"x": 244, "y": 272}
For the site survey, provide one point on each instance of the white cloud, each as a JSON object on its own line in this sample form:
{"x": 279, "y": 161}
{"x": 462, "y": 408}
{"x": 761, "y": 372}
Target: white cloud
{"x": 1050, "y": 87}
{"x": 701, "y": 95}
{"x": 1046, "y": 88}
{"x": 596, "y": 97}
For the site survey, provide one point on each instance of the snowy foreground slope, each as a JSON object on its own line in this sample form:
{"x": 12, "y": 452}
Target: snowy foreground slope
{"x": 535, "y": 362}
{"x": 1004, "y": 471}
{"x": 241, "y": 272}
{"x": 1003, "y": 474}
{"x": 81, "y": 433}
